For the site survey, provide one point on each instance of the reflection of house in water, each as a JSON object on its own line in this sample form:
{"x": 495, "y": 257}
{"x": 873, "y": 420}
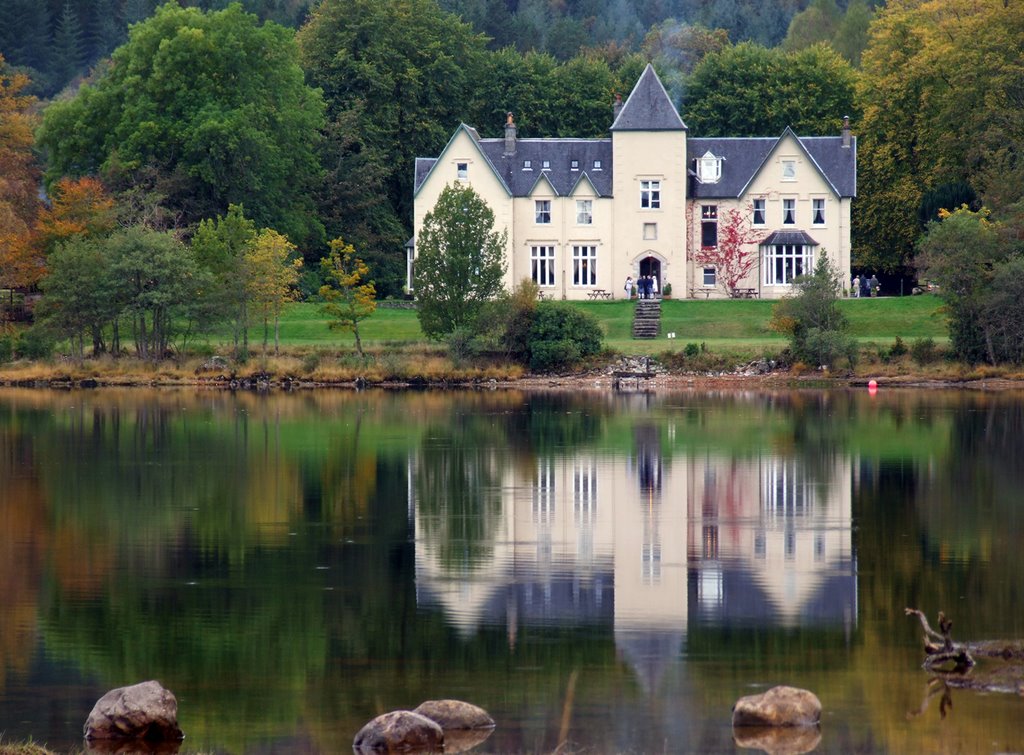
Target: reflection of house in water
{"x": 654, "y": 546}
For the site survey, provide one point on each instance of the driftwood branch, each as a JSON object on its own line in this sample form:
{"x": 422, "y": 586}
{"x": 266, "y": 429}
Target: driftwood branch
{"x": 949, "y": 651}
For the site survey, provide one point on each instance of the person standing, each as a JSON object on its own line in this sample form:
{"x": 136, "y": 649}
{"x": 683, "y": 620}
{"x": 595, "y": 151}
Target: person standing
{"x": 855, "y": 288}
{"x": 629, "y": 287}
{"x": 874, "y": 285}
{"x": 654, "y": 286}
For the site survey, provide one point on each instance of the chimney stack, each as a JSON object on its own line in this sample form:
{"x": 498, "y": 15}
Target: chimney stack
{"x": 510, "y": 135}
{"x": 616, "y": 107}
{"x": 846, "y": 131}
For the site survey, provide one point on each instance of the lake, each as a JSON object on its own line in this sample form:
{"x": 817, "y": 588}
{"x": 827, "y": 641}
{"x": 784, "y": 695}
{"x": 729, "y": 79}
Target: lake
{"x": 603, "y": 572}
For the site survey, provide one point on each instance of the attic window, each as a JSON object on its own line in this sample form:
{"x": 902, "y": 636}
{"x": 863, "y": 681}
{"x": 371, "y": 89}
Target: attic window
{"x": 527, "y": 165}
{"x": 545, "y": 165}
{"x": 709, "y": 168}
{"x": 462, "y": 170}
{"x": 574, "y": 165}
{"x": 597, "y": 165}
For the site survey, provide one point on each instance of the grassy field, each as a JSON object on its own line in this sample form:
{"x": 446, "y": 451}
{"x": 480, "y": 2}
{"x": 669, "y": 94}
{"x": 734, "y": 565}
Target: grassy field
{"x": 722, "y": 324}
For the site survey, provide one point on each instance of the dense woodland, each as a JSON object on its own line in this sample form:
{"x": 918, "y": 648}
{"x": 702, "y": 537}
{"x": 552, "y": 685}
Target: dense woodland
{"x": 309, "y": 116}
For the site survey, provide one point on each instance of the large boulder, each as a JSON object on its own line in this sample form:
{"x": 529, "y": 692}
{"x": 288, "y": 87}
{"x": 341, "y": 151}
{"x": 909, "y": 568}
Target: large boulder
{"x": 779, "y": 706}
{"x": 455, "y": 714}
{"x": 141, "y": 711}
{"x": 400, "y": 730}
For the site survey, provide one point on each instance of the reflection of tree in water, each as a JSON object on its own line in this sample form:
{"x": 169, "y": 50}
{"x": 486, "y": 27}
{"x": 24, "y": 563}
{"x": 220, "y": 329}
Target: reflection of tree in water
{"x": 457, "y": 484}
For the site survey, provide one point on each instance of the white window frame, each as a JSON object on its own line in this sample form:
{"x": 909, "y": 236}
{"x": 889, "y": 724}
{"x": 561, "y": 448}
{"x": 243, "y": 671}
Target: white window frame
{"x": 584, "y": 212}
{"x": 708, "y": 218}
{"x": 788, "y": 170}
{"x": 650, "y": 231}
{"x": 818, "y": 210}
{"x": 542, "y": 211}
{"x": 760, "y": 213}
{"x": 597, "y": 165}
{"x": 650, "y": 194}
{"x": 574, "y": 165}
{"x": 545, "y": 165}
{"x": 789, "y": 210}
{"x": 527, "y": 164}
{"x": 784, "y": 262}
{"x": 709, "y": 168}
{"x": 542, "y": 265}
{"x": 584, "y": 265}
{"x": 709, "y": 277}
{"x": 462, "y": 171}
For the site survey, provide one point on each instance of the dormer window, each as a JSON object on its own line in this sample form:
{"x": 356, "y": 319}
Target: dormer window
{"x": 546, "y": 165}
{"x": 709, "y": 168}
{"x": 597, "y": 165}
{"x": 574, "y": 165}
{"x": 527, "y": 164}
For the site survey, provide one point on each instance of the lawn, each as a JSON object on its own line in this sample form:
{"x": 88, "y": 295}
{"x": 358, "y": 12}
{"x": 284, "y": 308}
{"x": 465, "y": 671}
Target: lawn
{"x": 721, "y": 324}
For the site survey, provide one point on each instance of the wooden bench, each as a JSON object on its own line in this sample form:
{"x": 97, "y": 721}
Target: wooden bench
{"x": 598, "y": 293}
{"x": 744, "y": 293}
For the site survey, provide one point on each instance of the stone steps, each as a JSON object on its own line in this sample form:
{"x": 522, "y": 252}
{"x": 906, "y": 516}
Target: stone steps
{"x": 647, "y": 318}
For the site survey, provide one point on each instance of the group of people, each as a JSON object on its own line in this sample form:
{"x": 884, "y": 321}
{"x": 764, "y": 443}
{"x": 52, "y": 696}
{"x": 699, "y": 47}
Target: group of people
{"x": 646, "y": 286}
{"x": 863, "y": 286}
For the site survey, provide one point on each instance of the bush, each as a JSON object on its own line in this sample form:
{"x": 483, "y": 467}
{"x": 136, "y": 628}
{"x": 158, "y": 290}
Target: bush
{"x": 898, "y": 348}
{"x": 562, "y": 335}
{"x": 35, "y": 343}
{"x": 6, "y": 347}
{"x": 691, "y": 350}
{"x": 923, "y": 351}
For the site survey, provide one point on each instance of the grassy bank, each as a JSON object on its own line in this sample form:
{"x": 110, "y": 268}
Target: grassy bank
{"x": 721, "y": 324}
{"x": 723, "y": 333}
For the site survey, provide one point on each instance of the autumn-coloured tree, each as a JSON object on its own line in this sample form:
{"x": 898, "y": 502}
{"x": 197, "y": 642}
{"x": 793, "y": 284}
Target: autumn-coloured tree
{"x": 347, "y": 298}
{"x": 270, "y": 279}
{"x": 736, "y": 253}
{"x": 78, "y": 207}
{"x": 19, "y": 181}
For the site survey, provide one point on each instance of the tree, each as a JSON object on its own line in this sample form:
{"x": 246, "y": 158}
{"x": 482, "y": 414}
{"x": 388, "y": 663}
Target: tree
{"x": 220, "y": 247}
{"x": 963, "y": 253}
{"x": 79, "y": 293}
{"x": 749, "y": 90}
{"x": 212, "y": 107}
{"x": 159, "y": 287}
{"x": 404, "y": 67}
{"x": 735, "y": 254}
{"x": 270, "y": 279}
{"x": 941, "y": 96}
{"x": 348, "y": 299}
{"x": 812, "y": 318}
{"x": 67, "y": 50}
{"x": 460, "y": 262}
{"x": 19, "y": 178}
{"x": 817, "y": 23}
{"x": 78, "y": 207}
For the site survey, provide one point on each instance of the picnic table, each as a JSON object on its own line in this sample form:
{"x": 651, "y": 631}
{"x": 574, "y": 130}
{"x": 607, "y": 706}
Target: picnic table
{"x": 599, "y": 293}
{"x": 744, "y": 293}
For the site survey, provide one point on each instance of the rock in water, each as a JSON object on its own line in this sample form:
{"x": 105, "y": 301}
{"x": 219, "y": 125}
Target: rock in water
{"x": 141, "y": 711}
{"x": 455, "y": 714}
{"x": 400, "y": 730}
{"x": 779, "y": 706}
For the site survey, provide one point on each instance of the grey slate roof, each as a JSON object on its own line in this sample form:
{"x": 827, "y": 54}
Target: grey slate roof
{"x": 558, "y": 152}
{"x": 745, "y": 155}
{"x": 789, "y": 237}
{"x": 649, "y": 107}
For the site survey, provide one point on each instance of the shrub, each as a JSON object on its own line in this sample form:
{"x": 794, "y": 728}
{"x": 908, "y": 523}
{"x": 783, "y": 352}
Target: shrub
{"x": 898, "y": 348}
{"x": 923, "y": 351}
{"x": 522, "y": 310}
{"x": 691, "y": 350}
{"x": 35, "y": 343}
{"x": 562, "y": 335}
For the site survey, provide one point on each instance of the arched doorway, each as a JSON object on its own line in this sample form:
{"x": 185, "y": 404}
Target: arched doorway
{"x": 650, "y": 265}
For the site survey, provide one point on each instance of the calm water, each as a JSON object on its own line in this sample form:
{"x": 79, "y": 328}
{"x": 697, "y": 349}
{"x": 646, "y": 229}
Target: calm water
{"x": 610, "y": 572}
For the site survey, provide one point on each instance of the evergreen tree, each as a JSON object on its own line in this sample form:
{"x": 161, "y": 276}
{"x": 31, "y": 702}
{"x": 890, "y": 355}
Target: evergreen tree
{"x": 67, "y": 57}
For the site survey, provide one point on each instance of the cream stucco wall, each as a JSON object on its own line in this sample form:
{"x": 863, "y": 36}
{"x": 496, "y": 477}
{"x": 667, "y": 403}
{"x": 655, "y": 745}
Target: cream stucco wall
{"x": 462, "y": 149}
{"x": 652, "y": 156}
